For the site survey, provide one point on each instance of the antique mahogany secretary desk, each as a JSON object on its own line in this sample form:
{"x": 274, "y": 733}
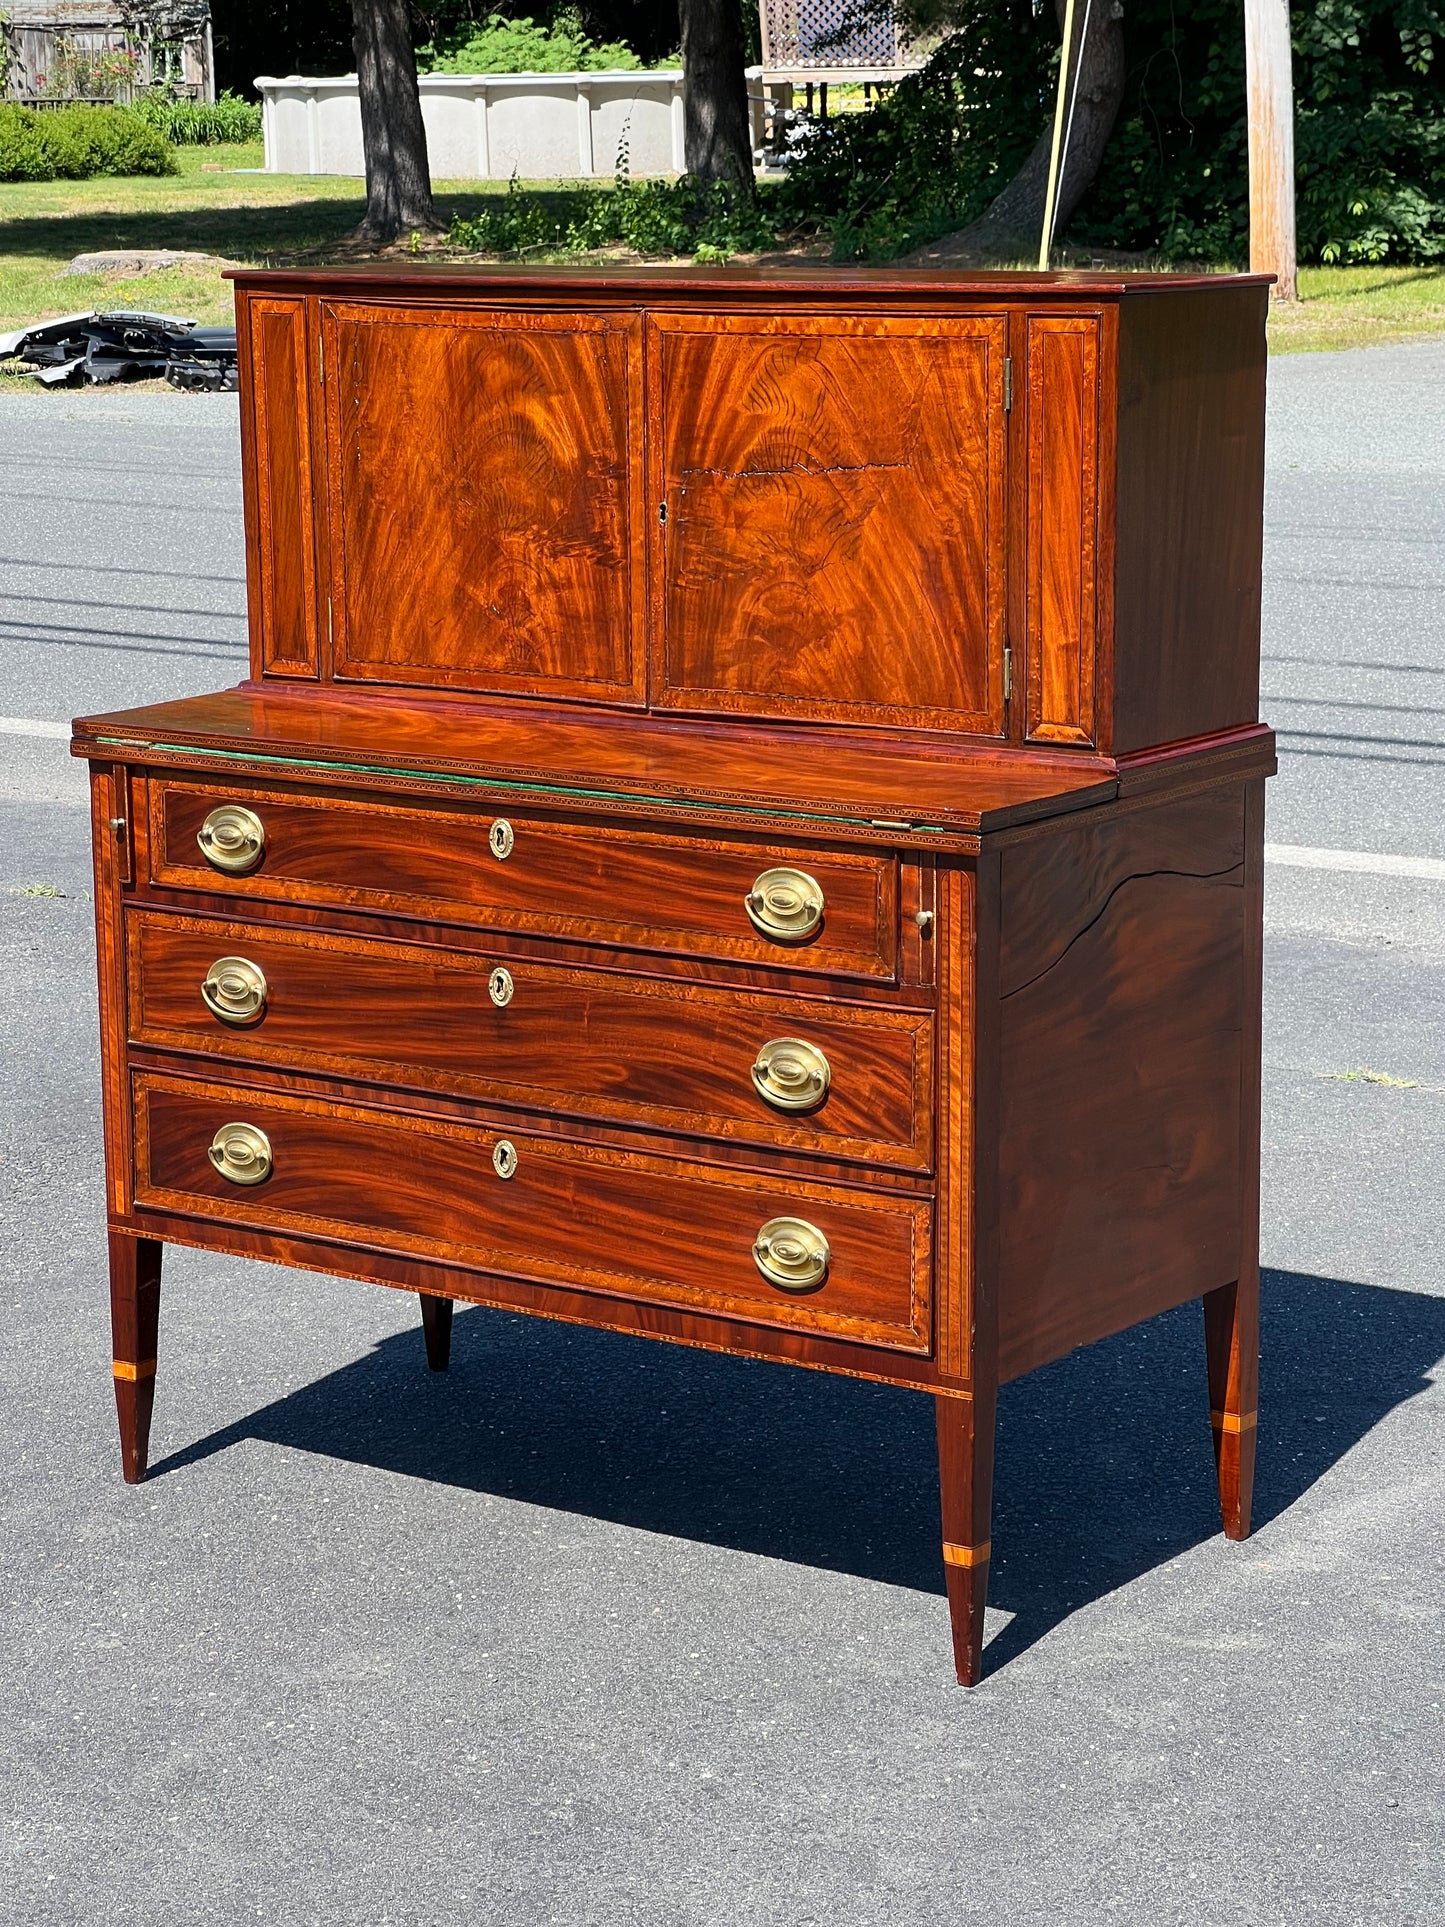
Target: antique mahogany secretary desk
{"x": 744, "y": 826}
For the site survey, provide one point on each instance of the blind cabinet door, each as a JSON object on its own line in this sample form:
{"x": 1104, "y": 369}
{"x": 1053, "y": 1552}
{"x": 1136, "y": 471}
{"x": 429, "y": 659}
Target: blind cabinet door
{"x": 830, "y": 497}
{"x": 483, "y": 475}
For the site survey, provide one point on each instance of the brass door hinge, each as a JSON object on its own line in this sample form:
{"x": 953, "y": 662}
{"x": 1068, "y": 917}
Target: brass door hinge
{"x": 1008, "y": 673}
{"x": 1008, "y": 382}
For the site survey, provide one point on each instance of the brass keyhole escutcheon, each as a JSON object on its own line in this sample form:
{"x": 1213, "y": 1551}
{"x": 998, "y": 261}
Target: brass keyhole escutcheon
{"x": 241, "y": 1153}
{"x": 791, "y": 1254}
{"x": 785, "y": 904}
{"x": 791, "y": 1075}
{"x": 501, "y": 839}
{"x": 232, "y": 839}
{"x": 504, "y": 1159}
{"x": 501, "y": 987}
{"x": 235, "y": 990}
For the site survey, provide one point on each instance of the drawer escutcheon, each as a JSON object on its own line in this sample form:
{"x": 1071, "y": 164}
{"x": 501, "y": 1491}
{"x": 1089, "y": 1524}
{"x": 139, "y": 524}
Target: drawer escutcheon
{"x": 791, "y": 1075}
{"x": 241, "y": 1153}
{"x": 785, "y": 904}
{"x": 791, "y": 1254}
{"x": 234, "y": 990}
{"x": 232, "y": 839}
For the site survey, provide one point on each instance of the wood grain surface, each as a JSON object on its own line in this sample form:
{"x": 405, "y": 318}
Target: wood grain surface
{"x": 279, "y": 487}
{"x": 1063, "y": 536}
{"x": 481, "y": 482}
{"x": 574, "y": 1214}
{"x": 921, "y": 792}
{"x": 592, "y": 883}
{"x": 833, "y": 542}
{"x": 676, "y": 1057}
{"x": 1122, "y": 1040}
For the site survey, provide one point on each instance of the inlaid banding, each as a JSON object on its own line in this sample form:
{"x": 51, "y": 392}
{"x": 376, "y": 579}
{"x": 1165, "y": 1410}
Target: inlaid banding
{"x": 1233, "y": 1421}
{"x": 967, "y": 1555}
{"x": 123, "y": 1368}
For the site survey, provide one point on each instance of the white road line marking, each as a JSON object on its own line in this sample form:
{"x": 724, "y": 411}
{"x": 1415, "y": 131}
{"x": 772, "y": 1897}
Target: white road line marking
{"x": 27, "y": 726}
{"x": 1296, "y": 856}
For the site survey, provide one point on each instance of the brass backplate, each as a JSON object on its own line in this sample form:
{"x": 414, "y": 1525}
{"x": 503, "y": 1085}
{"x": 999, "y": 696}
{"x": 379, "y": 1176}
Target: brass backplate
{"x": 785, "y": 904}
{"x": 232, "y": 838}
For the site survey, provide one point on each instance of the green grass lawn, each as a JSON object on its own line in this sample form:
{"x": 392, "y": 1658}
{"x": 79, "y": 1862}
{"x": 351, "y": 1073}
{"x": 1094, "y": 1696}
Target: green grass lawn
{"x": 212, "y": 208}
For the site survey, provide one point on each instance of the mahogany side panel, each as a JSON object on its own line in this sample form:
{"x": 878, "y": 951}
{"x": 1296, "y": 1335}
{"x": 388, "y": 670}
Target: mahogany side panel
{"x": 1063, "y": 532}
{"x": 278, "y": 493}
{"x": 1190, "y": 515}
{"x": 483, "y": 478}
{"x": 112, "y": 861}
{"x": 543, "y": 1208}
{"x": 1121, "y": 1180}
{"x": 833, "y": 519}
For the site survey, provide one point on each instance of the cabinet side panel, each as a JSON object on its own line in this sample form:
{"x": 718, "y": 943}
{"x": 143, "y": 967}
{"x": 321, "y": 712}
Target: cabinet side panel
{"x": 276, "y": 450}
{"x": 1063, "y": 488}
{"x": 1123, "y": 1034}
{"x": 1190, "y": 517}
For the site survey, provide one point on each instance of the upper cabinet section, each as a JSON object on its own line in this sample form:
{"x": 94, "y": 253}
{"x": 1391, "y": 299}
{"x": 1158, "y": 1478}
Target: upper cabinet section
{"x": 481, "y": 476}
{"x": 831, "y": 510}
{"x": 1022, "y": 509}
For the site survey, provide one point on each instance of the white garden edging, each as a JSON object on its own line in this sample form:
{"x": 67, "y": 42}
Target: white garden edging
{"x": 489, "y": 126}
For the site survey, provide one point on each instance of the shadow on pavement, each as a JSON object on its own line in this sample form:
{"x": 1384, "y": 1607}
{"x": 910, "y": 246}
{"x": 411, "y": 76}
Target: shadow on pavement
{"x": 1104, "y": 1466}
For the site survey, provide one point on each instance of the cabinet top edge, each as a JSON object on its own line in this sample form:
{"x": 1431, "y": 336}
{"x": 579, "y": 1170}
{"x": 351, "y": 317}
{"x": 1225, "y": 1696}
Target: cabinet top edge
{"x": 652, "y": 284}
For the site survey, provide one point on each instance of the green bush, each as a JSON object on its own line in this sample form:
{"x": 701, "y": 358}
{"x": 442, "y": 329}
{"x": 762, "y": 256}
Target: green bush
{"x": 75, "y": 143}
{"x": 229, "y": 121}
{"x": 1369, "y": 134}
{"x": 936, "y": 149}
{"x": 652, "y": 217}
{"x": 526, "y": 47}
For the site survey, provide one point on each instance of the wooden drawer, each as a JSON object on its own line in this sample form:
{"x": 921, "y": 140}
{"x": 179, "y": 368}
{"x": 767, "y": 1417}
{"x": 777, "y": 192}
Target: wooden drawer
{"x": 675, "y": 1057}
{"x": 590, "y": 883}
{"x": 574, "y": 1215}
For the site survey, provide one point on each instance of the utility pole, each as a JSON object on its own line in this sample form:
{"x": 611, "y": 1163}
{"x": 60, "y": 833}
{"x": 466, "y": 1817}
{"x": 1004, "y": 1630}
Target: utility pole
{"x": 1270, "y": 89}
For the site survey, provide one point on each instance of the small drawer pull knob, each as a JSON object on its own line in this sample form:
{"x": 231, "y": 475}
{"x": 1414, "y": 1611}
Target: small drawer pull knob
{"x": 500, "y": 987}
{"x": 232, "y": 839}
{"x": 241, "y": 1153}
{"x": 786, "y": 905}
{"x": 504, "y": 1158}
{"x": 791, "y": 1254}
{"x": 501, "y": 838}
{"x": 235, "y": 990}
{"x": 791, "y": 1075}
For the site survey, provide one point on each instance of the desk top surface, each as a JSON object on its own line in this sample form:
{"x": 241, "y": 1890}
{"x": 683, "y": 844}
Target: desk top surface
{"x": 936, "y": 795}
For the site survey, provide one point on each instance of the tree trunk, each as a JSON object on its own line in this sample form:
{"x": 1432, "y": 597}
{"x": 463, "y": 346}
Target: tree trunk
{"x": 398, "y": 178}
{"x": 717, "y": 141}
{"x": 1010, "y": 227}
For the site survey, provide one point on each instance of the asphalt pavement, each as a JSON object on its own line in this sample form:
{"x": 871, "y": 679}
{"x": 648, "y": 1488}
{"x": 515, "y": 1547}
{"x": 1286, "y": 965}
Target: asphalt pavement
{"x": 594, "y": 1630}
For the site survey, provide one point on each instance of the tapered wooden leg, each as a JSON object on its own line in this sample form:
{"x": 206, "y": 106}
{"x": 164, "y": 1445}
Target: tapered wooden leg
{"x": 135, "y": 1305}
{"x": 1231, "y": 1340}
{"x": 436, "y": 1325}
{"x": 965, "y": 1480}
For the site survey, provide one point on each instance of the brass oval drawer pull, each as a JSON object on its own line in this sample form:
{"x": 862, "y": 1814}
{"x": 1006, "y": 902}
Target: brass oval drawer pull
{"x": 791, "y": 1254}
{"x": 786, "y": 905}
{"x": 242, "y": 1153}
{"x": 234, "y": 990}
{"x": 232, "y": 838}
{"x": 791, "y": 1075}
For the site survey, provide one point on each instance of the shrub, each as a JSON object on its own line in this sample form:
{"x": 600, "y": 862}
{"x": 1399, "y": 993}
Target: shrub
{"x": 198, "y": 123}
{"x": 683, "y": 216}
{"x": 526, "y": 47}
{"x": 75, "y": 143}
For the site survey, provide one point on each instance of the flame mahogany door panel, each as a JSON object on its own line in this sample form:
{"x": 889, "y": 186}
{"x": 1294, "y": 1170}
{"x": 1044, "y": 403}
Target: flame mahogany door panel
{"x": 481, "y": 471}
{"x": 830, "y": 493}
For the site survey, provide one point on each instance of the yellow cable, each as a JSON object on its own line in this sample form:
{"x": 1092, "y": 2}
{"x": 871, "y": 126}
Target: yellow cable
{"x": 1047, "y": 237}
